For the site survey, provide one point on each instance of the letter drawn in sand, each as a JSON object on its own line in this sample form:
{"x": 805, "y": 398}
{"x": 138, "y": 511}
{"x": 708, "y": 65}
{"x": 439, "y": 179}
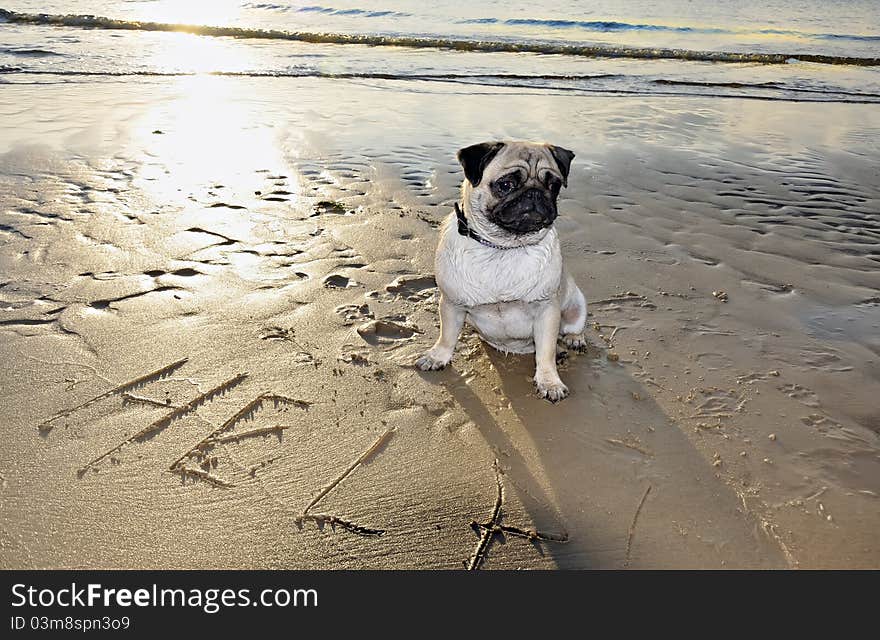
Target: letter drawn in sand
{"x": 48, "y": 424}
{"x": 158, "y": 425}
{"x": 202, "y": 450}
{"x": 332, "y": 520}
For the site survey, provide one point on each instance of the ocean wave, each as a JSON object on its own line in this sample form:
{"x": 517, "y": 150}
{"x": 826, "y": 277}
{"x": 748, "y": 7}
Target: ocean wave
{"x": 312, "y": 73}
{"x": 606, "y": 84}
{"x": 761, "y": 85}
{"x": 821, "y": 36}
{"x": 591, "y": 25}
{"x": 590, "y": 51}
{"x": 614, "y": 26}
{"x": 28, "y": 52}
{"x": 367, "y": 13}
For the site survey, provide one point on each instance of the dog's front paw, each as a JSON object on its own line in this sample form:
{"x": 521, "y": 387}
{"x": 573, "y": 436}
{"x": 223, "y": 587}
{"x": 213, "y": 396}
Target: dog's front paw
{"x": 574, "y": 341}
{"x": 550, "y": 389}
{"x": 430, "y": 362}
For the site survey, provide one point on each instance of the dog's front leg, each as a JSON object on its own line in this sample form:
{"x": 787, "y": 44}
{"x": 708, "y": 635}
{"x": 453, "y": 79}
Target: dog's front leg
{"x": 451, "y": 321}
{"x": 546, "y": 331}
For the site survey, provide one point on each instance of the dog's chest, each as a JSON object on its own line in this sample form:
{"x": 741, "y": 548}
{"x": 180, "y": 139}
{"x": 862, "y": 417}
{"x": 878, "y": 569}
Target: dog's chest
{"x": 470, "y": 274}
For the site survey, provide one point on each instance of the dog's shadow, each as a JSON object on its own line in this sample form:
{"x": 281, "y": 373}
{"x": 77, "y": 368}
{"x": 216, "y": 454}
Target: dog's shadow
{"x": 609, "y": 468}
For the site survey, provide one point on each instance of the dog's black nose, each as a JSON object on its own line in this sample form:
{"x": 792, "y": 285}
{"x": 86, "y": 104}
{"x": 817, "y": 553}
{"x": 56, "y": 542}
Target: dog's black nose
{"x": 541, "y": 205}
{"x": 535, "y": 195}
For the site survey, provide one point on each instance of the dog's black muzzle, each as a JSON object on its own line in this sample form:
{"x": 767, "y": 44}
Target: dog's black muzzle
{"x": 527, "y": 212}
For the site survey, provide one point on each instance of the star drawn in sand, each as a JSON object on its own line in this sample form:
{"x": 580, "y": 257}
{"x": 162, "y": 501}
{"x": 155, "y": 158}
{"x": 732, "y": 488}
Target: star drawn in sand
{"x": 493, "y": 528}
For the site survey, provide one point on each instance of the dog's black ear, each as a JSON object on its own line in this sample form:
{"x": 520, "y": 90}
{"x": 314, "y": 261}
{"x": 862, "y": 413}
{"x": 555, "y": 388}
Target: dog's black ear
{"x": 563, "y": 158}
{"x": 475, "y": 158}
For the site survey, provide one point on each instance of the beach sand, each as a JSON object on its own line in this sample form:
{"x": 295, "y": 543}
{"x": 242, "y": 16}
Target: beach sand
{"x": 238, "y": 272}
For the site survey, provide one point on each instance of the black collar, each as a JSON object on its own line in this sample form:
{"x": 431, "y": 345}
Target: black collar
{"x": 465, "y": 230}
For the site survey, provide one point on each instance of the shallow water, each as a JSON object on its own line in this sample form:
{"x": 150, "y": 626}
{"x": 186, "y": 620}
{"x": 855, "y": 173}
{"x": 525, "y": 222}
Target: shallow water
{"x": 797, "y": 50}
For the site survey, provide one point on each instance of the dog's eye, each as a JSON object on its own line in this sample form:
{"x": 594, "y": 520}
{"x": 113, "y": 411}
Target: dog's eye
{"x": 554, "y": 184}
{"x": 505, "y": 186}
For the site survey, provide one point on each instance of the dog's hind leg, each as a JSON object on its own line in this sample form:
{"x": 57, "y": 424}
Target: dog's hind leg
{"x": 574, "y": 315}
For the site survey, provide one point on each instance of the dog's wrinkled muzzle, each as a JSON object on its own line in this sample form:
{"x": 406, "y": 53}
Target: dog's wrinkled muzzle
{"x": 531, "y": 211}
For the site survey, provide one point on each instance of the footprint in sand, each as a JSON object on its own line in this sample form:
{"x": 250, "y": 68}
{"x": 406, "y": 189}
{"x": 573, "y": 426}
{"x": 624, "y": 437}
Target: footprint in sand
{"x": 351, "y": 313}
{"x": 414, "y": 288}
{"x": 836, "y": 431}
{"x": 705, "y": 329}
{"x": 387, "y": 331}
{"x": 355, "y": 356}
{"x": 816, "y": 359}
{"x": 777, "y": 288}
{"x": 751, "y": 378}
{"x": 338, "y": 281}
{"x": 801, "y": 394}
{"x": 329, "y": 207}
{"x": 824, "y": 360}
{"x": 714, "y": 361}
{"x": 277, "y": 333}
{"x": 719, "y": 403}
{"x": 819, "y": 422}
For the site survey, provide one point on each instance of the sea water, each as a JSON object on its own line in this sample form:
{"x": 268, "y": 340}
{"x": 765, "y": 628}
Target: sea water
{"x": 806, "y": 50}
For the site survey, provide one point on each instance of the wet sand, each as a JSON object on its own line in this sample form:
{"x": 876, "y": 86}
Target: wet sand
{"x": 213, "y": 290}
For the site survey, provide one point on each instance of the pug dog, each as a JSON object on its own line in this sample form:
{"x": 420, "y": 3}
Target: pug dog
{"x": 498, "y": 263}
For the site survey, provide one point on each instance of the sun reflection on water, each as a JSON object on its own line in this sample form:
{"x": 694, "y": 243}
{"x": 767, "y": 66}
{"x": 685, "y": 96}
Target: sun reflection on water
{"x": 190, "y": 53}
{"x": 209, "y": 135}
{"x": 212, "y": 158}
